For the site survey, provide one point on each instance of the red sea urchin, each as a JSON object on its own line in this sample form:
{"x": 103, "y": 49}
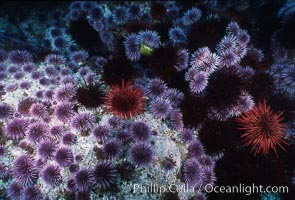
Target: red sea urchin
{"x": 263, "y": 129}
{"x": 125, "y": 100}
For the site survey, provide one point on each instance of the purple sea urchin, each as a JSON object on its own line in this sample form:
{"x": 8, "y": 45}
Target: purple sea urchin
{"x": 74, "y": 15}
{"x": 37, "y": 132}
{"x": 83, "y": 179}
{"x": 186, "y": 135}
{"x": 47, "y": 149}
{"x": 100, "y": 133}
{"x": 3, "y": 151}
{"x": 12, "y": 69}
{"x": 132, "y": 47}
{"x": 4, "y": 172}
{"x": 3, "y": 76}
{"x": 65, "y": 93}
{"x": 73, "y": 168}
{"x": 36, "y": 75}
{"x": 160, "y": 107}
{"x": 195, "y": 149}
{"x": 123, "y": 136}
{"x": 39, "y": 94}
{"x": 243, "y": 37}
{"x": 39, "y": 110}
{"x": 15, "y": 191}
{"x": 208, "y": 176}
{"x": 141, "y": 154}
{"x": 120, "y": 15}
{"x": 175, "y": 96}
{"x": 182, "y": 60}
{"x": 71, "y": 185}
{"x": 135, "y": 11}
{"x": 228, "y": 58}
{"x": 177, "y": 35}
{"x": 55, "y": 59}
{"x": 51, "y": 71}
{"x": 32, "y": 193}
{"x": 115, "y": 122}
{"x": 83, "y": 195}
{"x": 168, "y": 164}
{"x": 57, "y": 131}
{"x": 96, "y": 13}
{"x": 66, "y": 71}
{"x": 79, "y": 56}
{"x": 11, "y": 87}
{"x": 156, "y": 87}
{"x": 64, "y": 156}
{"x": 207, "y": 161}
{"x": 233, "y": 28}
{"x": 25, "y": 85}
{"x": 19, "y": 57}
{"x": 64, "y": 111}
{"x": 105, "y": 175}
{"x": 6, "y": 111}
{"x": 24, "y": 105}
{"x": 69, "y": 139}
{"x": 228, "y": 42}
{"x": 191, "y": 16}
{"x": 198, "y": 83}
{"x": 51, "y": 175}
{"x": 192, "y": 172}
{"x": 29, "y": 67}
{"x": 83, "y": 121}
{"x": 48, "y": 95}
{"x": 24, "y": 171}
{"x": 111, "y": 149}
{"x": 79, "y": 158}
{"x": 68, "y": 79}
{"x": 19, "y": 75}
{"x": 60, "y": 43}
{"x": 149, "y": 38}
{"x": 56, "y": 32}
{"x": 139, "y": 131}
{"x": 16, "y": 129}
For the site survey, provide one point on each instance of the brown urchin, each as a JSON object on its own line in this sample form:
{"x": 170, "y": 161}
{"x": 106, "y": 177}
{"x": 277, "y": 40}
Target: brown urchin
{"x": 264, "y": 130}
{"x": 90, "y": 96}
{"x": 125, "y": 100}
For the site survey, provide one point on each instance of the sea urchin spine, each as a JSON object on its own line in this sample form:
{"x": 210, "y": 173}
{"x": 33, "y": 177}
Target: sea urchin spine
{"x": 264, "y": 130}
{"x": 125, "y": 100}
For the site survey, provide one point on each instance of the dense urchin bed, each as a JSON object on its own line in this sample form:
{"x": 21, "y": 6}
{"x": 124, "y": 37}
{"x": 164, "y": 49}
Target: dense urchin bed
{"x": 147, "y": 100}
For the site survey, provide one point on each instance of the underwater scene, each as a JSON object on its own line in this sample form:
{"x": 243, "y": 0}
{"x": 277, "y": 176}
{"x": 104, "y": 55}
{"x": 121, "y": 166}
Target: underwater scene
{"x": 147, "y": 100}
